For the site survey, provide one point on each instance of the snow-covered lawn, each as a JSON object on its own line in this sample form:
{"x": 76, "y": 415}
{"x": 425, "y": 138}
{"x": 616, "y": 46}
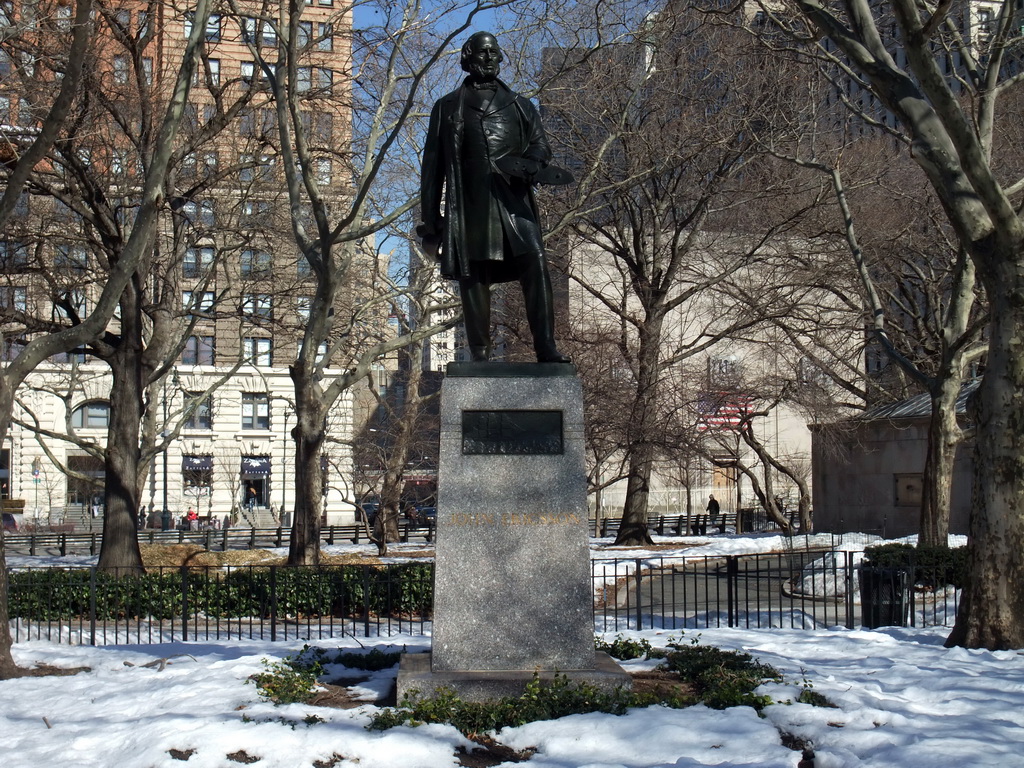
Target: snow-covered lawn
{"x": 903, "y": 701}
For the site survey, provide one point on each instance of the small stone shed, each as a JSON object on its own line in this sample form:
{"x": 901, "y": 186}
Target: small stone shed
{"x": 867, "y": 471}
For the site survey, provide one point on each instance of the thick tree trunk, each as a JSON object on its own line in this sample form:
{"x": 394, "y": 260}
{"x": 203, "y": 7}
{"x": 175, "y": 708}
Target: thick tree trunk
{"x": 640, "y": 449}
{"x": 8, "y": 668}
{"x": 992, "y": 609}
{"x": 385, "y": 523}
{"x": 943, "y": 438}
{"x": 122, "y": 460}
{"x": 309, "y": 435}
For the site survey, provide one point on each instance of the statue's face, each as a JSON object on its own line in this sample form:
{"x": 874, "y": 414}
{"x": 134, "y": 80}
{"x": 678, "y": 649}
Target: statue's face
{"x": 484, "y": 61}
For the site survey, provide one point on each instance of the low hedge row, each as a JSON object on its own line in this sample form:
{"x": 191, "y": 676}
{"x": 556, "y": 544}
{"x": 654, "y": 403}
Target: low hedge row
{"x": 56, "y": 594}
{"x": 935, "y": 566}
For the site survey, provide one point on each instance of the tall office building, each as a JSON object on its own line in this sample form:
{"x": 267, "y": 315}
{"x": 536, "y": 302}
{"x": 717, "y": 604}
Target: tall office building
{"x": 224, "y": 286}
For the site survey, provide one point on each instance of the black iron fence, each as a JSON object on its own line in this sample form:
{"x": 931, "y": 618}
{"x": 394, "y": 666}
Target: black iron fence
{"x": 68, "y": 543}
{"x": 194, "y": 603}
{"x": 798, "y": 589}
{"x": 700, "y": 524}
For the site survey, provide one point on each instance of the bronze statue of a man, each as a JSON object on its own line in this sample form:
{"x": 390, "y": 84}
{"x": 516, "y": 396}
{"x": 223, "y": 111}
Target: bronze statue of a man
{"x": 485, "y": 149}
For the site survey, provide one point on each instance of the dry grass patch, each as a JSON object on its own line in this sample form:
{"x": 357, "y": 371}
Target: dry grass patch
{"x": 177, "y": 555}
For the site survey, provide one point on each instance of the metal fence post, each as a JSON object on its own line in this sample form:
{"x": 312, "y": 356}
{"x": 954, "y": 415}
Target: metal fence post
{"x": 184, "y": 603}
{"x": 732, "y": 571}
{"x": 92, "y": 606}
{"x": 366, "y": 601}
{"x": 273, "y": 603}
{"x": 638, "y": 578}
{"x": 849, "y": 590}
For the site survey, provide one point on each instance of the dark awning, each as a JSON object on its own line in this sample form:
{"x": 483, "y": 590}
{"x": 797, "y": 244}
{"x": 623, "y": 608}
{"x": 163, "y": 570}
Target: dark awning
{"x": 197, "y": 463}
{"x": 255, "y": 465}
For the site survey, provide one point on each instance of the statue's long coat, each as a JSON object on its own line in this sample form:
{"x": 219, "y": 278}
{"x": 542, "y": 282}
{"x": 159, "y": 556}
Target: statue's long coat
{"x": 511, "y": 126}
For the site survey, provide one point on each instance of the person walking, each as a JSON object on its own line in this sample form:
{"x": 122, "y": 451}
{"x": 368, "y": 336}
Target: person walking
{"x": 713, "y": 510}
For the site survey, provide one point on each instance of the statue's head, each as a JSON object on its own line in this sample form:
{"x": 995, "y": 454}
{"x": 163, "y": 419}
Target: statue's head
{"x": 482, "y": 56}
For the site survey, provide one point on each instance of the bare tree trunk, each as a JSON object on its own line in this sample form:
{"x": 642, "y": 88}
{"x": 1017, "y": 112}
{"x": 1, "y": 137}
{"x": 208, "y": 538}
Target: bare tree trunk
{"x": 304, "y": 544}
{"x": 943, "y": 439}
{"x": 992, "y": 610}
{"x": 8, "y": 668}
{"x": 633, "y": 527}
{"x": 122, "y": 460}
{"x": 122, "y": 463}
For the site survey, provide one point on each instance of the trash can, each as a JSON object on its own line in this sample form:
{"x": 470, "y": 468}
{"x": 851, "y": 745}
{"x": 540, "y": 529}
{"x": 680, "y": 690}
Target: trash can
{"x": 884, "y": 596}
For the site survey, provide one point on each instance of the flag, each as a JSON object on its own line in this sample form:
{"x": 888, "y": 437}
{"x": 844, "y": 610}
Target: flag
{"x": 722, "y": 410}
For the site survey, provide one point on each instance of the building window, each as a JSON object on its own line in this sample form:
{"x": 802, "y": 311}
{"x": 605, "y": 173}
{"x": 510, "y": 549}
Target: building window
{"x": 212, "y": 27}
{"x": 147, "y": 70}
{"x": 255, "y": 263}
{"x": 14, "y": 297}
{"x": 71, "y": 305}
{"x": 199, "y": 350}
{"x": 265, "y": 167}
{"x": 119, "y": 162}
{"x": 199, "y": 411}
{"x": 197, "y": 475}
{"x": 201, "y": 213}
{"x": 143, "y": 22}
{"x": 212, "y": 70}
{"x": 253, "y": 74}
{"x": 723, "y": 372}
{"x": 324, "y": 79}
{"x": 258, "y": 306}
{"x": 197, "y": 301}
{"x": 11, "y": 347}
{"x": 319, "y": 126}
{"x": 305, "y": 77}
{"x": 305, "y": 33}
{"x": 323, "y": 170}
{"x": 255, "y": 411}
{"x": 13, "y": 255}
{"x": 197, "y": 262}
{"x": 123, "y": 19}
{"x": 257, "y": 351}
{"x": 71, "y": 258}
{"x": 209, "y": 164}
{"x": 908, "y": 490}
{"x": 120, "y": 69}
{"x": 325, "y": 36}
{"x": 259, "y": 32}
{"x": 245, "y": 164}
{"x": 63, "y": 16}
{"x": 91, "y": 416}
{"x": 302, "y": 306}
{"x": 255, "y": 212}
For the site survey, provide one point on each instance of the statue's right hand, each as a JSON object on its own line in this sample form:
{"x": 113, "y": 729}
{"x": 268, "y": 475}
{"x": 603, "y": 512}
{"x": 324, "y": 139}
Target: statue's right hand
{"x": 430, "y": 240}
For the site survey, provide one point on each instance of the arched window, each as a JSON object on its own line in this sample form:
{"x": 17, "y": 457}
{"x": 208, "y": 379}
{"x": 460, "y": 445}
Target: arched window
{"x": 95, "y": 415}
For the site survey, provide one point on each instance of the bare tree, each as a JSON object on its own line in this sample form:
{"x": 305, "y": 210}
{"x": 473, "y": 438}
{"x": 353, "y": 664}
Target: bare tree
{"x": 897, "y": 52}
{"x": 660, "y": 219}
{"x": 64, "y": 339}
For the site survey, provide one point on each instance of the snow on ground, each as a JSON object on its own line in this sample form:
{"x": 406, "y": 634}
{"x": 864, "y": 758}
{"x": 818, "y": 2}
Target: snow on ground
{"x": 903, "y": 700}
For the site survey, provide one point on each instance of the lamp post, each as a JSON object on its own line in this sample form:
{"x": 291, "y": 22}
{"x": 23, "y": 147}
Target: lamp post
{"x": 284, "y": 460}
{"x": 37, "y": 466}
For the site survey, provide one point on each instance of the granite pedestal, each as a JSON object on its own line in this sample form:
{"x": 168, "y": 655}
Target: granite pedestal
{"x": 512, "y": 584}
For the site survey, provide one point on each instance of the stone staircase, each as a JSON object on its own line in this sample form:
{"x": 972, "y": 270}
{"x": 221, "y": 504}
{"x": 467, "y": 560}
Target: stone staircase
{"x": 258, "y": 517}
